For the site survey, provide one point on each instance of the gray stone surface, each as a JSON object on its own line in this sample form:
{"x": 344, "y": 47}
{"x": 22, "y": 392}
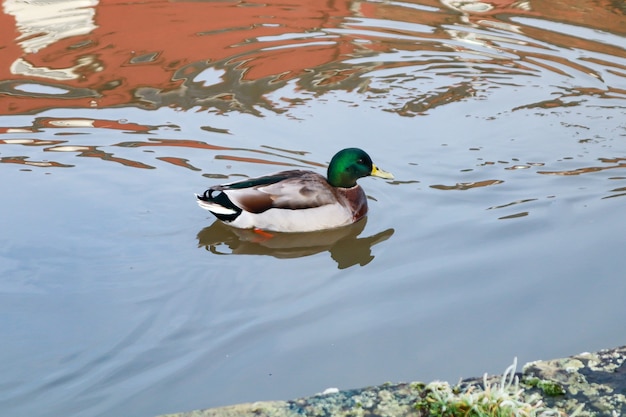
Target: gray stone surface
{"x": 596, "y": 380}
{"x": 588, "y": 384}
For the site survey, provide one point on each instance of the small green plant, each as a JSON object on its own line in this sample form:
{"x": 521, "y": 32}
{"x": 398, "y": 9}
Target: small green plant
{"x": 551, "y": 389}
{"x": 505, "y": 399}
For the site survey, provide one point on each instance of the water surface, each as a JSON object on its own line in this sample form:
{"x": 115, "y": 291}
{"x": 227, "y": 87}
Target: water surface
{"x": 501, "y": 236}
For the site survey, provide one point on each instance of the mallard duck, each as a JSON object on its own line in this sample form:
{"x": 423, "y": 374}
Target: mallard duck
{"x": 296, "y": 200}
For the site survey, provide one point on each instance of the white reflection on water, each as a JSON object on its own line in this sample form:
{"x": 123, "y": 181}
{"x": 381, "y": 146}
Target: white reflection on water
{"x": 43, "y": 23}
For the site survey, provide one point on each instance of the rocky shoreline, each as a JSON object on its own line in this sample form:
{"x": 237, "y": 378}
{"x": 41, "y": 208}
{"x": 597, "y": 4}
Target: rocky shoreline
{"x": 588, "y": 384}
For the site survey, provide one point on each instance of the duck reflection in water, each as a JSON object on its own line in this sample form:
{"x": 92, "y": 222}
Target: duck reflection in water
{"x": 343, "y": 243}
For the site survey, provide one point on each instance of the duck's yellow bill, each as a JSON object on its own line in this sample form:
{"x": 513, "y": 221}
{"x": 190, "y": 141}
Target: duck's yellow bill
{"x": 376, "y": 172}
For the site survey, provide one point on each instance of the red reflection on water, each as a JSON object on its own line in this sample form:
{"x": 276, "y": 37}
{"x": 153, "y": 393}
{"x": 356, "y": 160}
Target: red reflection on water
{"x": 154, "y": 54}
{"x": 157, "y": 44}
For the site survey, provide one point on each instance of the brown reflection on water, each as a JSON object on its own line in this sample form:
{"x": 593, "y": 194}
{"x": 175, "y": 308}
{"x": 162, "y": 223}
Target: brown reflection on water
{"x": 176, "y": 143}
{"x": 30, "y": 142}
{"x": 24, "y": 160}
{"x": 462, "y": 186}
{"x": 227, "y": 56}
{"x": 94, "y": 152}
{"x": 196, "y": 144}
{"x": 608, "y": 164}
{"x": 81, "y": 127}
{"x": 616, "y": 163}
{"x": 513, "y": 203}
{"x": 254, "y": 160}
{"x": 619, "y": 192}
{"x": 422, "y": 103}
{"x": 181, "y": 162}
{"x": 56, "y": 122}
{"x": 68, "y": 127}
{"x": 41, "y": 123}
{"x": 343, "y": 244}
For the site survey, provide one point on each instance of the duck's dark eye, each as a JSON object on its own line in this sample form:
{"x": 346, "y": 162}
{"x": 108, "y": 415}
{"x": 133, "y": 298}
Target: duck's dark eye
{"x": 360, "y": 161}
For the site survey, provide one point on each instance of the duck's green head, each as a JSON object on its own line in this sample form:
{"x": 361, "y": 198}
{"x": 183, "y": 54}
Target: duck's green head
{"x": 348, "y": 165}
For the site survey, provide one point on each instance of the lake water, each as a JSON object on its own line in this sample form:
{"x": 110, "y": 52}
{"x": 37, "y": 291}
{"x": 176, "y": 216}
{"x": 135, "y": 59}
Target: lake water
{"x": 502, "y": 236}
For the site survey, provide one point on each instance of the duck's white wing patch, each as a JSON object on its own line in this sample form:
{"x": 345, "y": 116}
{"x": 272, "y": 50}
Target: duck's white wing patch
{"x": 213, "y": 207}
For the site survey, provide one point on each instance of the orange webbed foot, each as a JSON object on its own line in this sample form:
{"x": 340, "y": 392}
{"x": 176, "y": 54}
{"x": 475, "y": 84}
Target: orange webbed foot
{"x": 263, "y": 235}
